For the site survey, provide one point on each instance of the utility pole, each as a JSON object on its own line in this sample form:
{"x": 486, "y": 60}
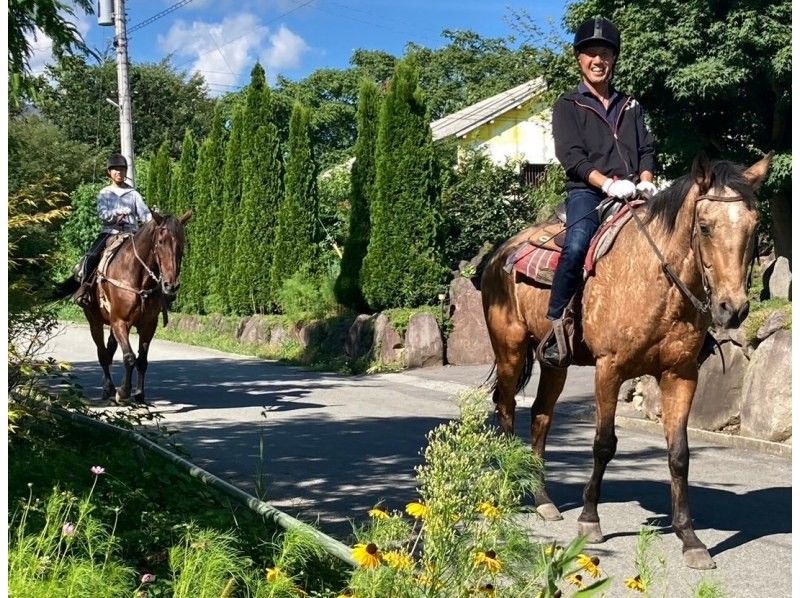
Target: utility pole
{"x": 125, "y": 121}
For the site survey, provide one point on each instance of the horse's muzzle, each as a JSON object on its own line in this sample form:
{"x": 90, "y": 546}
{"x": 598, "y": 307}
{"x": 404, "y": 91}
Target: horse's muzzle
{"x": 170, "y": 289}
{"x": 728, "y": 315}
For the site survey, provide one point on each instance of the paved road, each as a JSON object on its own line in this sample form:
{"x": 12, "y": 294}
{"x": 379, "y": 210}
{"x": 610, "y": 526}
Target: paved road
{"x": 334, "y": 445}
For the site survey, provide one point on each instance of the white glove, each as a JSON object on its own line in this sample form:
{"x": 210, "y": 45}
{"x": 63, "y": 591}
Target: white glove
{"x": 619, "y": 189}
{"x": 647, "y": 189}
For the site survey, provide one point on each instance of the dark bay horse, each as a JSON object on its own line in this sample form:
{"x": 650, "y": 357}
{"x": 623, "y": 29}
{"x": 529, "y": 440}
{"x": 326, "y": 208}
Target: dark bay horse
{"x": 636, "y": 321}
{"x": 144, "y": 272}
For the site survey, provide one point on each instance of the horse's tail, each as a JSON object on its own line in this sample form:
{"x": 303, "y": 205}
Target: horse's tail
{"x": 525, "y": 375}
{"x": 64, "y": 289}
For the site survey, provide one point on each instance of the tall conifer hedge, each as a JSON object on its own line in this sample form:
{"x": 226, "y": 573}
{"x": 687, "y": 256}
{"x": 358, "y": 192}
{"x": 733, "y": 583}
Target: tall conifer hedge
{"x": 183, "y": 177}
{"x": 362, "y": 183}
{"x": 231, "y": 199}
{"x": 295, "y": 238}
{"x": 159, "y": 178}
{"x": 402, "y": 267}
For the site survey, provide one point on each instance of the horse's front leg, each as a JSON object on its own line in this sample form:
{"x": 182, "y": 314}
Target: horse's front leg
{"x": 146, "y": 332}
{"x": 121, "y": 329}
{"x": 677, "y": 392}
{"x": 607, "y": 382}
{"x": 551, "y": 383}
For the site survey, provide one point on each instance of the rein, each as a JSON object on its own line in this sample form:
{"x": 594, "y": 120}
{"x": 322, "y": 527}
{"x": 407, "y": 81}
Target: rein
{"x": 143, "y": 293}
{"x": 701, "y": 306}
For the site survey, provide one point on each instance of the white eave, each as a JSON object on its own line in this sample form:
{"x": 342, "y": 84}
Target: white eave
{"x": 470, "y": 118}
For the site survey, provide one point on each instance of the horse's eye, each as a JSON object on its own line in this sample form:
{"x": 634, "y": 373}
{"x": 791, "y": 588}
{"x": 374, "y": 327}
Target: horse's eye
{"x": 705, "y": 230}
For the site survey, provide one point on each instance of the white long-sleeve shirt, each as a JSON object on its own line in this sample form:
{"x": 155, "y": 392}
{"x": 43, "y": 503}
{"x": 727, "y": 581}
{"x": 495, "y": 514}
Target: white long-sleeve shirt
{"x": 115, "y": 201}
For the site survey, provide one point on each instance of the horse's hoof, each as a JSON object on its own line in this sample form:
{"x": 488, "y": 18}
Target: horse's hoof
{"x": 592, "y": 532}
{"x": 120, "y": 399}
{"x": 698, "y": 558}
{"x": 549, "y": 512}
{"x": 138, "y": 397}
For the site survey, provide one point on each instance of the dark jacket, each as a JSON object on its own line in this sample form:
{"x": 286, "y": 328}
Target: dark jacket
{"x": 585, "y": 141}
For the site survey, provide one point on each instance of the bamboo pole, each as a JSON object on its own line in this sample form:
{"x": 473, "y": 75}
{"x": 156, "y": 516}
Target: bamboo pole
{"x": 331, "y": 545}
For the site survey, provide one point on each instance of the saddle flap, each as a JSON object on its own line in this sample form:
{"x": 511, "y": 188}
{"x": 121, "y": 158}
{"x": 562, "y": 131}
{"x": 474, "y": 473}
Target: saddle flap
{"x": 112, "y": 247}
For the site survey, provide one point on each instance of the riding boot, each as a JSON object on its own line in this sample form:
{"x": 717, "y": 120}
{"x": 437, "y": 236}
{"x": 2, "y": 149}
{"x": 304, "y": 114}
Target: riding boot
{"x": 83, "y": 296}
{"x": 554, "y": 350}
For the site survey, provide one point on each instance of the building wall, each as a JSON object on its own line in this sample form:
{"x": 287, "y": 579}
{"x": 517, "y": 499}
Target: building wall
{"x": 523, "y": 133}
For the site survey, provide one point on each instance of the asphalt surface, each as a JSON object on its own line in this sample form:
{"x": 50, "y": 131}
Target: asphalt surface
{"x": 326, "y": 447}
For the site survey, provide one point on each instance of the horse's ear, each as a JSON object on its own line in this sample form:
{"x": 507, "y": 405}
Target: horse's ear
{"x": 756, "y": 174}
{"x": 157, "y": 217}
{"x": 186, "y": 217}
{"x": 701, "y": 172}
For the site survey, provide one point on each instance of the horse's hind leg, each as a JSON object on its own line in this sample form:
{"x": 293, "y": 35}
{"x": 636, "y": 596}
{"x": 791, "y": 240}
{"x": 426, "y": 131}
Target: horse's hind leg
{"x": 146, "y": 332}
{"x": 551, "y": 383}
{"x": 512, "y": 351}
{"x": 104, "y": 356}
{"x": 677, "y": 391}
{"x": 607, "y": 383}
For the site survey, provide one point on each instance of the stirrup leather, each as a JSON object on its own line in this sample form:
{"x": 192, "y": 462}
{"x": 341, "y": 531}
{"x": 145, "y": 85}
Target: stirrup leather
{"x": 554, "y": 350}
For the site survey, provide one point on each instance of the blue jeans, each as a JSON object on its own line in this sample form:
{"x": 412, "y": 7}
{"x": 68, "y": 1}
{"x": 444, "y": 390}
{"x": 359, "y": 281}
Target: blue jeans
{"x": 582, "y": 223}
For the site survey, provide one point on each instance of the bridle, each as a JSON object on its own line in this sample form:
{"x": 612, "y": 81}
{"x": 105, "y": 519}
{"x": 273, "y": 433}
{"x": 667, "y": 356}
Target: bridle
{"x": 696, "y": 244}
{"x": 701, "y": 306}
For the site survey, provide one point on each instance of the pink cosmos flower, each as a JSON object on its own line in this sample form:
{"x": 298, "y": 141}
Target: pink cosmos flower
{"x": 68, "y": 529}
{"x": 97, "y": 470}
{"x": 148, "y": 578}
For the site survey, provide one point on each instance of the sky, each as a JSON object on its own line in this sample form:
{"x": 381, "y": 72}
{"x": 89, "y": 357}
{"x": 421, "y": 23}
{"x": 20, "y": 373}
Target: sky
{"x": 222, "y": 39}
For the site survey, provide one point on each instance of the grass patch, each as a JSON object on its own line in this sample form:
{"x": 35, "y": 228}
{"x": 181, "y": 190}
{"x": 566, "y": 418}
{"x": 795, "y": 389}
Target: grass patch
{"x": 399, "y": 317}
{"x": 760, "y": 311}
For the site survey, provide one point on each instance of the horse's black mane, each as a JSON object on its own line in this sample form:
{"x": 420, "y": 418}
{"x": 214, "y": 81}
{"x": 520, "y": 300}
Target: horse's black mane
{"x": 665, "y": 205}
{"x": 169, "y": 222}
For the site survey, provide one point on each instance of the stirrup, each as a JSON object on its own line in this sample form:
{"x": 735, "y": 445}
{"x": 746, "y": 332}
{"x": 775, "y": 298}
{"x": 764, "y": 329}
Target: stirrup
{"x": 554, "y": 350}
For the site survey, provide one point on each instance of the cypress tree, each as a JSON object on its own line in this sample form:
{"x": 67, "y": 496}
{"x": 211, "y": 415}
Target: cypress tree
{"x": 296, "y": 232}
{"x": 159, "y": 178}
{"x": 183, "y": 177}
{"x": 262, "y": 192}
{"x": 231, "y": 198}
{"x": 362, "y": 182}
{"x": 402, "y": 267}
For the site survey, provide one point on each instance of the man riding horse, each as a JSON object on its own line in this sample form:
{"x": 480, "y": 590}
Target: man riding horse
{"x": 604, "y": 146}
{"x": 120, "y": 208}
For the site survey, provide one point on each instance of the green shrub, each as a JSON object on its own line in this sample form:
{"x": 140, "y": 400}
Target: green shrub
{"x": 79, "y": 230}
{"x": 305, "y": 297}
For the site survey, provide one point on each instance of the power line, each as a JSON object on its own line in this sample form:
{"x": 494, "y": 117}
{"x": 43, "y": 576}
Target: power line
{"x": 157, "y": 16}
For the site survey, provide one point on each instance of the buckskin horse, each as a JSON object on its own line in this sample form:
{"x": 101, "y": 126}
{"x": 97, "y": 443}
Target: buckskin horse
{"x": 636, "y": 320}
{"x": 132, "y": 292}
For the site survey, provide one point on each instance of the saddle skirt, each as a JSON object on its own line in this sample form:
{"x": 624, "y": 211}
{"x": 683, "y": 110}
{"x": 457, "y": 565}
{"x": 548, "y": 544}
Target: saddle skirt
{"x": 538, "y": 258}
{"x": 111, "y": 249}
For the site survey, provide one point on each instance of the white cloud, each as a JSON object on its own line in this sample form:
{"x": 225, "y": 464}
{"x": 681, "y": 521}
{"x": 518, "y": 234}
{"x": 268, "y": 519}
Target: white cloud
{"x": 286, "y": 49}
{"x": 221, "y": 51}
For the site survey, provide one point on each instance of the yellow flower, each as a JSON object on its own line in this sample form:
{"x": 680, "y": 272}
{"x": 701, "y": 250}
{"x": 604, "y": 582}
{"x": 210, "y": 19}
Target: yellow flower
{"x": 489, "y": 560}
{"x": 274, "y": 574}
{"x": 589, "y": 564}
{"x": 575, "y": 580}
{"x": 367, "y": 555}
{"x": 489, "y": 510}
{"x": 398, "y": 560}
{"x": 417, "y": 509}
{"x": 635, "y": 583}
{"x": 378, "y": 512}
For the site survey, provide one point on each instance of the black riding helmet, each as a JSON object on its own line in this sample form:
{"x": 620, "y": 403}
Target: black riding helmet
{"x": 597, "y": 31}
{"x": 116, "y": 160}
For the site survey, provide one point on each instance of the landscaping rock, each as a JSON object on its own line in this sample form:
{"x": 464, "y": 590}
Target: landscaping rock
{"x": 627, "y": 390}
{"x": 777, "y": 320}
{"x": 360, "y": 336}
{"x": 718, "y": 398}
{"x": 279, "y": 335}
{"x": 767, "y": 391}
{"x": 735, "y": 335}
{"x": 778, "y": 278}
{"x": 647, "y": 397}
{"x": 387, "y": 341}
{"x": 423, "y": 342}
{"x": 255, "y": 331}
{"x": 468, "y": 343}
